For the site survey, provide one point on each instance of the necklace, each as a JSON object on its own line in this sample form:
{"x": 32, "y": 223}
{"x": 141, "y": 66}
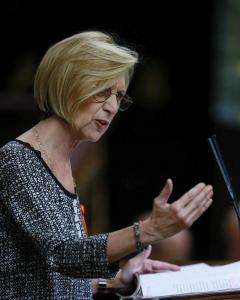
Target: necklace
{"x": 48, "y": 159}
{"x": 43, "y": 151}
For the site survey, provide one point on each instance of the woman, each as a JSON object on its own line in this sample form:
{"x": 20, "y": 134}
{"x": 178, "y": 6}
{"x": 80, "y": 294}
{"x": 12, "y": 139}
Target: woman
{"x": 45, "y": 253}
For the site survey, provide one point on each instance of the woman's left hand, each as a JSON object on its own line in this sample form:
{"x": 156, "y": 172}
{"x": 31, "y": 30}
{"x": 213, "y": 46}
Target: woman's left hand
{"x": 140, "y": 264}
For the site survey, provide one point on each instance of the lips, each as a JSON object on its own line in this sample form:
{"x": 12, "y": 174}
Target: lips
{"x": 102, "y": 123}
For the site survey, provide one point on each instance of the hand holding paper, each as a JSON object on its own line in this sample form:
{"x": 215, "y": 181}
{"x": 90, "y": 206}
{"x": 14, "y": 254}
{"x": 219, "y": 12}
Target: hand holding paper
{"x": 140, "y": 264}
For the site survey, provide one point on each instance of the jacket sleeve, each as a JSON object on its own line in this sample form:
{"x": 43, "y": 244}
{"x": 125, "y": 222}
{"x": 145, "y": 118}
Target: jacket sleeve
{"x": 26, "y": 196}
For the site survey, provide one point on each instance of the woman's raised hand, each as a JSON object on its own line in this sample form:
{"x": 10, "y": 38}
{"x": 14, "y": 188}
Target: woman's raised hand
{"x": 168, "y": 219}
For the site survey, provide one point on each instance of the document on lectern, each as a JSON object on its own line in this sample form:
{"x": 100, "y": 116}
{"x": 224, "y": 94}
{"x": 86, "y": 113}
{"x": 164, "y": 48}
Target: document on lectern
{"x": 191, "y": 280}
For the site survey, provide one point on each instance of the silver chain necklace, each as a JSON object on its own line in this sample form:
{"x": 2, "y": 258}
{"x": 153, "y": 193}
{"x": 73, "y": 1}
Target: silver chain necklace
{"x": 48, "y": 159}
{"x": 43, "y": 151}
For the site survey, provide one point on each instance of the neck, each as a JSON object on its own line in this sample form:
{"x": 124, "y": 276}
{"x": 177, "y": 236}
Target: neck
{"x": 58, "y": 136}
{"x": 56, "y": 141}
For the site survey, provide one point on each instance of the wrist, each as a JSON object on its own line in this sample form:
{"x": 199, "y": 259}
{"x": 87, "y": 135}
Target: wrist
{"x": 107, "y": 286}
{"x": 148, "y": 234}
{"x": 126, "y": 286}
{"x": 116, "y": 286}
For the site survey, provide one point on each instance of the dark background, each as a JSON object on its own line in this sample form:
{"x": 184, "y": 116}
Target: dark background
{"x": 148, "y": 143}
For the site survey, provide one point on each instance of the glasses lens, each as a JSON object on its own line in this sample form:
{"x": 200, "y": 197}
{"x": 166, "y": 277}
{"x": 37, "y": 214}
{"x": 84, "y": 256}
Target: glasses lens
{"x": 122, "y": 98}
{"x": 104, "y": 94}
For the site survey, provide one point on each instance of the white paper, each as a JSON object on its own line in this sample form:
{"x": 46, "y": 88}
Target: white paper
{"x": 198, "y": 267}
{"x": 190, "y": 280}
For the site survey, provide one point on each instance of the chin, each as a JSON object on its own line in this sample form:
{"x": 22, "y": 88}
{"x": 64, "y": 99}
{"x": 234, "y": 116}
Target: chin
{"x": 94, "y": 138}
{"x": 90, "y": 136}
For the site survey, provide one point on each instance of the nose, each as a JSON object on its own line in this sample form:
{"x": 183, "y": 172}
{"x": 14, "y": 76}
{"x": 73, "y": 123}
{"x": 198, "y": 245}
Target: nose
{"x": 111, "y": 104}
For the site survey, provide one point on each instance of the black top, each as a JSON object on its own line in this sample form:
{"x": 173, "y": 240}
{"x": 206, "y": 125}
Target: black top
{"x": 44, "y": 250}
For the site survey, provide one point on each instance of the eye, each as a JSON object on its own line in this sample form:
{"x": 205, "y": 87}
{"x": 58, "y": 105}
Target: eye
{"x": 120, "y": 95}
{"x": 105, "y": 93}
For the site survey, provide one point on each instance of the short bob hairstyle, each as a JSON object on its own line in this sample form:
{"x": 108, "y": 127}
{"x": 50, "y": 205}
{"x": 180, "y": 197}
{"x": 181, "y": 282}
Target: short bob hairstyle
{"x": 77, "y": 68}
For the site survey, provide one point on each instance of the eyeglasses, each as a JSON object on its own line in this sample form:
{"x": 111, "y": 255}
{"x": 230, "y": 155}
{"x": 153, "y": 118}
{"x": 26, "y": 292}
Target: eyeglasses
{"x": 123, "y": 100}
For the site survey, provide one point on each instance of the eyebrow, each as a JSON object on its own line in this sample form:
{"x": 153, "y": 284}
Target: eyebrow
{"x": 115, "y": 88}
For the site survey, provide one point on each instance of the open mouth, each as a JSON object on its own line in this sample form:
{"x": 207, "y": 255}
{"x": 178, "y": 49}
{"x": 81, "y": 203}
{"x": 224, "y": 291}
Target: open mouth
{"x": 101, "y": 123}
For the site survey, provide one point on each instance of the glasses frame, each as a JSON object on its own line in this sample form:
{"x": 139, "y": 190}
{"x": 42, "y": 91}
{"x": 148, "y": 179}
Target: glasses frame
{"x": 124, "y": 101}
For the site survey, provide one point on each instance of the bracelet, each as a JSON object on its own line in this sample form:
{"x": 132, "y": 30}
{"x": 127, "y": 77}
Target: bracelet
{"x": 102, "y": 285}
{"x": 108, "y": 286}
{"x": 136, "y": 229}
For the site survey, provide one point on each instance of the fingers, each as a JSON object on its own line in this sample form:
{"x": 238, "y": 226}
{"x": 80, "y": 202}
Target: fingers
{"x": 148, "y": 251}
{"x": 165, "y": 192}
{"x": 168, "y": 219}
{"x": 154, "y": 266}
{"x": 199, "y": 200}
{"x": 141, "y": 264}
{"x": 193, "y": 204}
{"x": 139, "y": 258}
{"x": 137, "y": 261}
{"x": 159, "y": 266}
{"x": 134, "y": 266}
{"x": 196, "y": 214}
{"x": 191, "y": 194}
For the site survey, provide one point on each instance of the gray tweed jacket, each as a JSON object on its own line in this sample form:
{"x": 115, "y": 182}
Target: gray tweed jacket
{"x": 44, "y": 250}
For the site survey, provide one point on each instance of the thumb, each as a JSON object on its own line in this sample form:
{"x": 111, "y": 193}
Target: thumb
{"x": 134, "y": 266}
{"x": 166, "y": 191}
{"x": 143, "y": 255}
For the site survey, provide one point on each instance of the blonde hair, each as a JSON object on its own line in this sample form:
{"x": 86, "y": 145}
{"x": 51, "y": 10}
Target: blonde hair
{"x": 78, "y": 67}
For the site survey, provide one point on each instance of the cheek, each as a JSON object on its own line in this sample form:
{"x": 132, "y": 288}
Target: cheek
{"x": 86, "y": 113}
{"x": 82, "y": 122}
{"x": 83, "y": 118}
